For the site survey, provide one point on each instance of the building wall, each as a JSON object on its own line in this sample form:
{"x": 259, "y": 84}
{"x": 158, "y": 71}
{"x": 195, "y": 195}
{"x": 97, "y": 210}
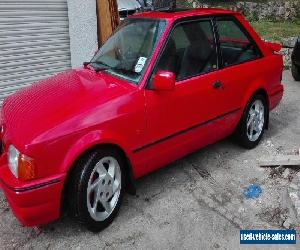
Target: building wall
{"x": 83, "y": 30}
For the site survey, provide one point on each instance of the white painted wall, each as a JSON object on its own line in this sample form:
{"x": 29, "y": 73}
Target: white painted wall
{"x": 83, "y": 30}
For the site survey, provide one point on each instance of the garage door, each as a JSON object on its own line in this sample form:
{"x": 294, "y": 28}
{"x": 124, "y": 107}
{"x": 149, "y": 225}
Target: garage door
{"x": 34, "y": 42}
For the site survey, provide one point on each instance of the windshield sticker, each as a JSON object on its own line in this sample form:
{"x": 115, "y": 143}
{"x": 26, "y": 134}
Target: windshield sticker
{"x": 140, "y": 64}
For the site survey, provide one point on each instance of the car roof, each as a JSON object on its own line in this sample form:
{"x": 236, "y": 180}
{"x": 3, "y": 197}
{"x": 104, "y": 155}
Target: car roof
{"x": 181, "y": 13}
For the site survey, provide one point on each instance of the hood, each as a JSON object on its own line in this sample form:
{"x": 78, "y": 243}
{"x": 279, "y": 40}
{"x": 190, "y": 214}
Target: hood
{"x": 35, "y": 109}
{"x": 128, "y": 5}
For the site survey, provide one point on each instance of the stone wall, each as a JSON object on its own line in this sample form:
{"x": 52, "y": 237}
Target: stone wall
{"x": 268, "y": 10}
{"x": 272, "y": 10}
{"x": 287, "y": 50}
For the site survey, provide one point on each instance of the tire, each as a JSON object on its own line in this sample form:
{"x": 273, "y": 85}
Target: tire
{"x": 296, "y": 72}
{"x": 94, "y": 196}
{"x": 259, "y": 121}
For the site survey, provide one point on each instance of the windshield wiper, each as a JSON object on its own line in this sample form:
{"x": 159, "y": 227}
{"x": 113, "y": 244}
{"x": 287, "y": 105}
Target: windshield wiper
{"x": 99, "y": 65}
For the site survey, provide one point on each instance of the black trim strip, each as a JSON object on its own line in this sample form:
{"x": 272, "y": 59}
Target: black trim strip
{"x": 184, "y": 131}
{"x": 37, "y": 186}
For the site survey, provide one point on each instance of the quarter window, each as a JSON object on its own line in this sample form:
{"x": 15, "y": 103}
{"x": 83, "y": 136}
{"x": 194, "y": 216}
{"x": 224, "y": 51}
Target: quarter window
{"x": 190, "y": 50}
{"x": 235, "y": 46}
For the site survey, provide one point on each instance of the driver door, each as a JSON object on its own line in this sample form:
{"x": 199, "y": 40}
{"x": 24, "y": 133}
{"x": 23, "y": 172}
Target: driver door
{"x": 180, "y": 121}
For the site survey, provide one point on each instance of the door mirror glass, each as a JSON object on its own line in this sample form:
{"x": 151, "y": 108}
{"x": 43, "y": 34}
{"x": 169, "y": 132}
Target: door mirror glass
{"x": 163, "y": 80}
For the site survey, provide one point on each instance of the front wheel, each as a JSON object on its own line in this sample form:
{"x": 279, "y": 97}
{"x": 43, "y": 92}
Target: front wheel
{"x": 253, "y": 122}
{"x": 96, "y": 188}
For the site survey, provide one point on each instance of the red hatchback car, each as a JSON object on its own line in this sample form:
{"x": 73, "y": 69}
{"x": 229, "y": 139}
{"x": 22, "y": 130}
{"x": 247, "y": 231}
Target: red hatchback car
{"x": 165, "y": 84}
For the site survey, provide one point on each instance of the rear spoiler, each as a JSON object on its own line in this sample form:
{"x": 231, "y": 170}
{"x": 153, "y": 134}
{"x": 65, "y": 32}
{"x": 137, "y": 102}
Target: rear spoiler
{"x": 274, "y": 47}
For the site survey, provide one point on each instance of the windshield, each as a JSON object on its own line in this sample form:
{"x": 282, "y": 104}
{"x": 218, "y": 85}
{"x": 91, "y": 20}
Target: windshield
{"x": 127, "y": 52}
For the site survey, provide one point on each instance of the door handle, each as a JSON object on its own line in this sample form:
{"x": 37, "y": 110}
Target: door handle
{"x": 217, "y": 85}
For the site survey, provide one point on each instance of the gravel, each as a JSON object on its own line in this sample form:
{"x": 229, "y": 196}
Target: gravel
{"x": 194, "y": 203}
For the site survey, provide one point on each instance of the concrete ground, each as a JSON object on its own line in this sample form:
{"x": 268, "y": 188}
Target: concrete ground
{"x": 194, "y": 203}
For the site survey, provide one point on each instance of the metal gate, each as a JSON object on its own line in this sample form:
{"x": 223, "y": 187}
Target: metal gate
{"x": 34, "y": 42}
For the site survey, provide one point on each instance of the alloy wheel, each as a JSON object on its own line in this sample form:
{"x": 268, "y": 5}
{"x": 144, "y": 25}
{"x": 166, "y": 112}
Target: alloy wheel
{"x": 255, "y": 120}
{"x": 104, "y": 188}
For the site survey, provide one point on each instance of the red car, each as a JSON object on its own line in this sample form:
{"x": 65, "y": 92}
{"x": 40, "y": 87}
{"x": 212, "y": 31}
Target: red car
{"x": 165, "y": 84}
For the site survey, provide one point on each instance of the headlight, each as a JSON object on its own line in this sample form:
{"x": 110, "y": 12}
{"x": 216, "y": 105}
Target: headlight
{"x": 20, "y": 165}
{"x": 13, "y": 157}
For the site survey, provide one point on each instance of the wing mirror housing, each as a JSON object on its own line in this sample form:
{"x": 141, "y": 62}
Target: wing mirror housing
{"x": 163, "y": 80}
{"x": 274, "y": 47}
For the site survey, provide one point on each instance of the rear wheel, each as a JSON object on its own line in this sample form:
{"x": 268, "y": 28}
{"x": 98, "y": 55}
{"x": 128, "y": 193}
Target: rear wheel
{"x": 253, "y": 122}
{"x": 296, "y": 72}
{"x": 96, "y": 188}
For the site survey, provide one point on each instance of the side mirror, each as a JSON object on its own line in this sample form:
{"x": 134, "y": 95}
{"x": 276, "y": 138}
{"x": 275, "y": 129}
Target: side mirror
{"x": 163, "y": 80}
{"x": 274, "y": 47}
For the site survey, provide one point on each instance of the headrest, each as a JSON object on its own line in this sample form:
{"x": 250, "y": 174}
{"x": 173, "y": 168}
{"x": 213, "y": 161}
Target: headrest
{"x": 199, "y": 51}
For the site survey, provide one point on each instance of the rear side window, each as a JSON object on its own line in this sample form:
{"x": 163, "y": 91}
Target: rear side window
{"x": 235, "y": 45}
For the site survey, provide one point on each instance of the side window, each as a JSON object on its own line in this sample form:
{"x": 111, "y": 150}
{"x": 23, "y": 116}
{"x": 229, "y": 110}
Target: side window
{"x": 235, "y": 45}
{"x": 180, "y": 38}
{"x": 190, "y": 50}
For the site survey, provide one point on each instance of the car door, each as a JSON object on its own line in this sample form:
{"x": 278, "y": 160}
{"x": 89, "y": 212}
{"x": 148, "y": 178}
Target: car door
{"x": 184, "y": 119}
{"x": 241, "y": 62}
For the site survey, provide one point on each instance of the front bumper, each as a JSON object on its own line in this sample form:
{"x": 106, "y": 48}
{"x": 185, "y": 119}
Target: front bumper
{"x": 33, "y": 203}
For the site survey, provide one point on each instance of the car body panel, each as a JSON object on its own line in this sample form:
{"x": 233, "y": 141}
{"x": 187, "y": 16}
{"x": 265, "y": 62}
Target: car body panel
{"x": 170, "y": 113}
{"x": 106, "y": 109}
{"x": 56, "y": 100}
{"x": 44, "y": 208}
{"x": 59, "y": 119}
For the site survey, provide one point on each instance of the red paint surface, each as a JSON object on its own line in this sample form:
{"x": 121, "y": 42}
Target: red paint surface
{"x": 163, "y": 80}
{"x": 58, "y": 119}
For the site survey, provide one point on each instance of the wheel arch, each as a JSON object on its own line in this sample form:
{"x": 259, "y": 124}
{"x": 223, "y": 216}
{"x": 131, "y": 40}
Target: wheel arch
{"x": 258, "y": 91}
{"x": 85, "y": 145}
{"x": 131, "y": 188}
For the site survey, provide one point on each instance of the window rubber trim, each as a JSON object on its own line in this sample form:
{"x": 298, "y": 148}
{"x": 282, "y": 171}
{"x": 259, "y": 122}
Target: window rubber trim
{"x": 244, "y": 31}
{"x": 162, "y": 49}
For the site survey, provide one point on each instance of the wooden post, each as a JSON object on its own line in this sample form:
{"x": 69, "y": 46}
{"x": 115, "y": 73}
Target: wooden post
{"x": 108, "y": 18}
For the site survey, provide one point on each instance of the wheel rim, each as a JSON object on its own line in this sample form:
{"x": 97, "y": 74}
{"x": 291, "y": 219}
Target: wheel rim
{"x": 255, "y": 120}
{"x": 104, "y": 188}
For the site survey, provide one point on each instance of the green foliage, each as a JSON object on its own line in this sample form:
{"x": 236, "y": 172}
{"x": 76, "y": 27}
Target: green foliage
{"x": 270, "y": 29}
{"x": 277, "y": 30}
